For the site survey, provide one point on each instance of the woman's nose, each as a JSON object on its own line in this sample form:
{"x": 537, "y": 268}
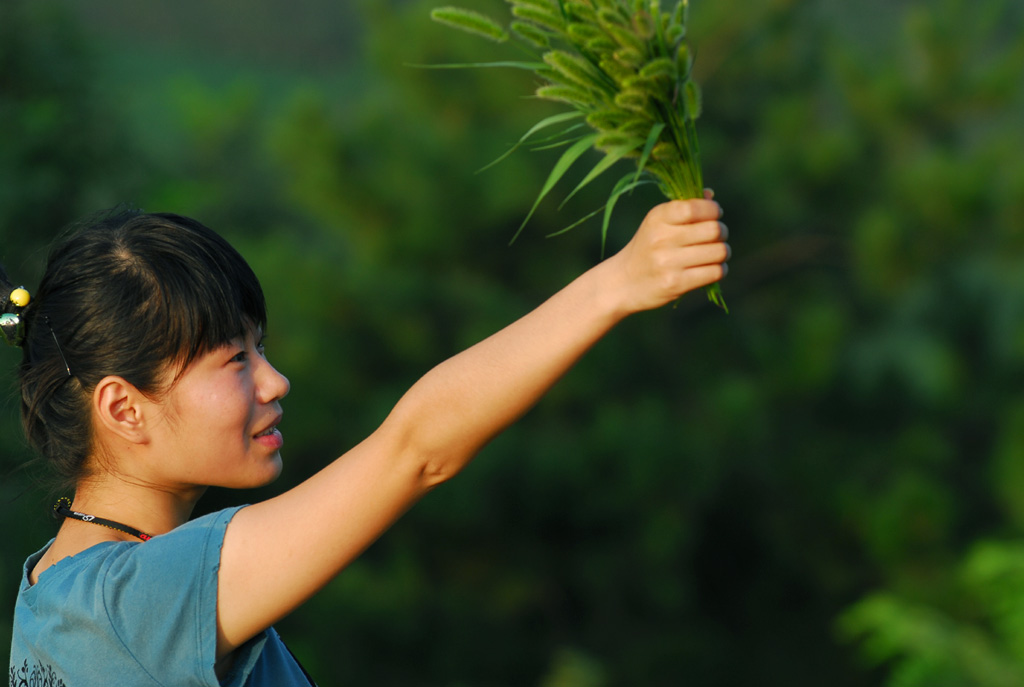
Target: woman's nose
{"x": 273, "y": 385}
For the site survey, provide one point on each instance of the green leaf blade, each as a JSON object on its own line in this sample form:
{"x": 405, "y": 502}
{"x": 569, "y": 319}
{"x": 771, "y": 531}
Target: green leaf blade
{"x": 539, "y": 126}
{"x": 529, "y": 66}
{"x": 652, "y": 139}
{"x": 557, "y": 172}
{"x": 624, "y": 185}
{"x": 610, "y": 158}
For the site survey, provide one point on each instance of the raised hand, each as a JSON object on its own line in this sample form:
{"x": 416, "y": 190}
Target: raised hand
{"x": 680, "y": 246}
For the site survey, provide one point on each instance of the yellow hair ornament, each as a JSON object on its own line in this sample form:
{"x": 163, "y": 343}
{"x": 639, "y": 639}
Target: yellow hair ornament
{"x": 20, "y": 297}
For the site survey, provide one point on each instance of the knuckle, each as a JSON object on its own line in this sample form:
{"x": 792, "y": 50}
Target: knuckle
{"x": 684, "y": 211}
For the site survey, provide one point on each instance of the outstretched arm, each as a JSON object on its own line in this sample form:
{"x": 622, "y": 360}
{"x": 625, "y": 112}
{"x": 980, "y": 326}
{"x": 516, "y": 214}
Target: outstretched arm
{"x": 278, "y": 553}
{"x": 464, "y": 402}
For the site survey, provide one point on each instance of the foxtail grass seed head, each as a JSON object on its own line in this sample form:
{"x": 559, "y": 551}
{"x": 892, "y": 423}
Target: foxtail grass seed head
{"x": 471, "y": 22}
{"x": 643, "y": 25}
{"x": 580, "y": 32}
{"x": 578, "y": 11}
{"x": 632, "y": 99}
{"x": 574, "y": 69}
{"x": 612, "y": 17}
{"x": 664, "y": 151}
{"x": 684, "y": 61}
{"x": 659, "y": 67}
{"x": 546, "y": 5}
{"x": 548, "y": 74}
{"x": 637, "y": 128}
{"x": 567, "y": 94}
{"x": 679, "y": 15}
{"x": 616, "y": 70}
{"x": 601, "y": 45}
{"x": 626, "y": 38}
{"x": 694, "y": 100}
{"x": 647, "y": 86}
{"x": 605, "y": 120}
{"x": 530, "y": 33}
{"x": 543, "y": 18}
{"x": 625, "y": 67}
{"x": 615, "y": 140}
{"x": 630, "y": 57}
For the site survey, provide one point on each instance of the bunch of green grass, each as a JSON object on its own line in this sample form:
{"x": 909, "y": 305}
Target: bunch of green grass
{"x": 624, "y": 67}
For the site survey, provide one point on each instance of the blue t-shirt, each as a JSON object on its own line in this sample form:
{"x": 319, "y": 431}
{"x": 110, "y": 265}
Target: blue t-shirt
{"x": 138, "y": 614}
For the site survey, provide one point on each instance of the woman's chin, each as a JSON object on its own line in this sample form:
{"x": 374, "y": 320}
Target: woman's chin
{"x": 274, "y": 471}
{"x": 267, "y": 474}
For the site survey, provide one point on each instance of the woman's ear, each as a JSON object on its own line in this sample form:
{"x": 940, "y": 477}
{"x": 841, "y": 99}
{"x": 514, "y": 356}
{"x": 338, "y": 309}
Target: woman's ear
{"x": 121, "y": 409}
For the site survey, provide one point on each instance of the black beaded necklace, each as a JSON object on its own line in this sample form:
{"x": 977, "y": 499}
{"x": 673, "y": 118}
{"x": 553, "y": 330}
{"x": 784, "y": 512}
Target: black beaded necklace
{"x": 63, "y": 509}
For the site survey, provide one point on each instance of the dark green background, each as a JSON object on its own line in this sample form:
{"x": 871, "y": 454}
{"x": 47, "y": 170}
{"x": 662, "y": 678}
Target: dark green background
{"x": 825, "y": 487}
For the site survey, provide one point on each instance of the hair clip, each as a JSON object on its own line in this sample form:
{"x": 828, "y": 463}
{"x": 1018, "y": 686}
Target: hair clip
{"x": 64, "y": 360}
{"x": 11, "y": 325}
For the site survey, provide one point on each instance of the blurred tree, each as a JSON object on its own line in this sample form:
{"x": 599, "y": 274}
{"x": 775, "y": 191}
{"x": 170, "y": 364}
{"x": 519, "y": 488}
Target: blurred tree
{"x": 704, "y": 495}
{"x": 939, "y": 253}
{"x": 62, "y": 155}
{"x": 982, "y": 645}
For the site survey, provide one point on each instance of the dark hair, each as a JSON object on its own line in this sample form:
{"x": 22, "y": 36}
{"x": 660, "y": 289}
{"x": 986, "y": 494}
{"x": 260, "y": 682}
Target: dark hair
{"x": 125, "y": 294}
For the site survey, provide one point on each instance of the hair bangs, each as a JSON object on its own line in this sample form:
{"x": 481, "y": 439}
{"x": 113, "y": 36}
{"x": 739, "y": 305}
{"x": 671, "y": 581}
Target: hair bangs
{"x": 206, "y": 294}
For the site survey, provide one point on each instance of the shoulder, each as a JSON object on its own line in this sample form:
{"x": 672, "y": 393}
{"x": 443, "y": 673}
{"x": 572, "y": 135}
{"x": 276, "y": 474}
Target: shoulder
{"x": 189, "y": 551}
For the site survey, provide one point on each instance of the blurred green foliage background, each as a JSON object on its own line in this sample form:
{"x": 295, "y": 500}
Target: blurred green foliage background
{"x": 825, "y": 487}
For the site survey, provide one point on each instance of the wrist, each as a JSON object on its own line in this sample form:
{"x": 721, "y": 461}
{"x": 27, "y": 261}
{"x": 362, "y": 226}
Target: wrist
{"x": 606, "y": 287}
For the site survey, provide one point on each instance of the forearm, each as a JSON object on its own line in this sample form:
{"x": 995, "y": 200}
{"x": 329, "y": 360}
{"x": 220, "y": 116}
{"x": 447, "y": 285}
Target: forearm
{"x": 460, "y": 405}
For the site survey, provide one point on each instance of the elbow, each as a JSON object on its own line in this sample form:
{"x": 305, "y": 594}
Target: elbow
{"x": 437, "y": 462}
{"x": 419, "y": 462}
{"x": 429, "y": 456}
{"x": 434, "y": 469}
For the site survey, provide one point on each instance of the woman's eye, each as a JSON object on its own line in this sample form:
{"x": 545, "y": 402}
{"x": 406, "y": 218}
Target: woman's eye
{"x": 239, "y": 357}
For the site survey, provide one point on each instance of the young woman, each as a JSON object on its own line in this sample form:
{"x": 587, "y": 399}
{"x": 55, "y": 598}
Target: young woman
{"x": 144, "y": 382}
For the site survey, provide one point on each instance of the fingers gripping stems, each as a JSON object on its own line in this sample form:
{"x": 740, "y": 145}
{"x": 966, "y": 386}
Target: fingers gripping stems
{"x": 679, "y": 247}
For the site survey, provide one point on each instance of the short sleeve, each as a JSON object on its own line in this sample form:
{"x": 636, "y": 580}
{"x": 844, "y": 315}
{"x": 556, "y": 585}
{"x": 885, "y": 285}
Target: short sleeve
{"x": 161, "y": 601}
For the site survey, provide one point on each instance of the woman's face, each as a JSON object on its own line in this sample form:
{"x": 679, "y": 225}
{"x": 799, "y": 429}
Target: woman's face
{"x": 218, "y": 423}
